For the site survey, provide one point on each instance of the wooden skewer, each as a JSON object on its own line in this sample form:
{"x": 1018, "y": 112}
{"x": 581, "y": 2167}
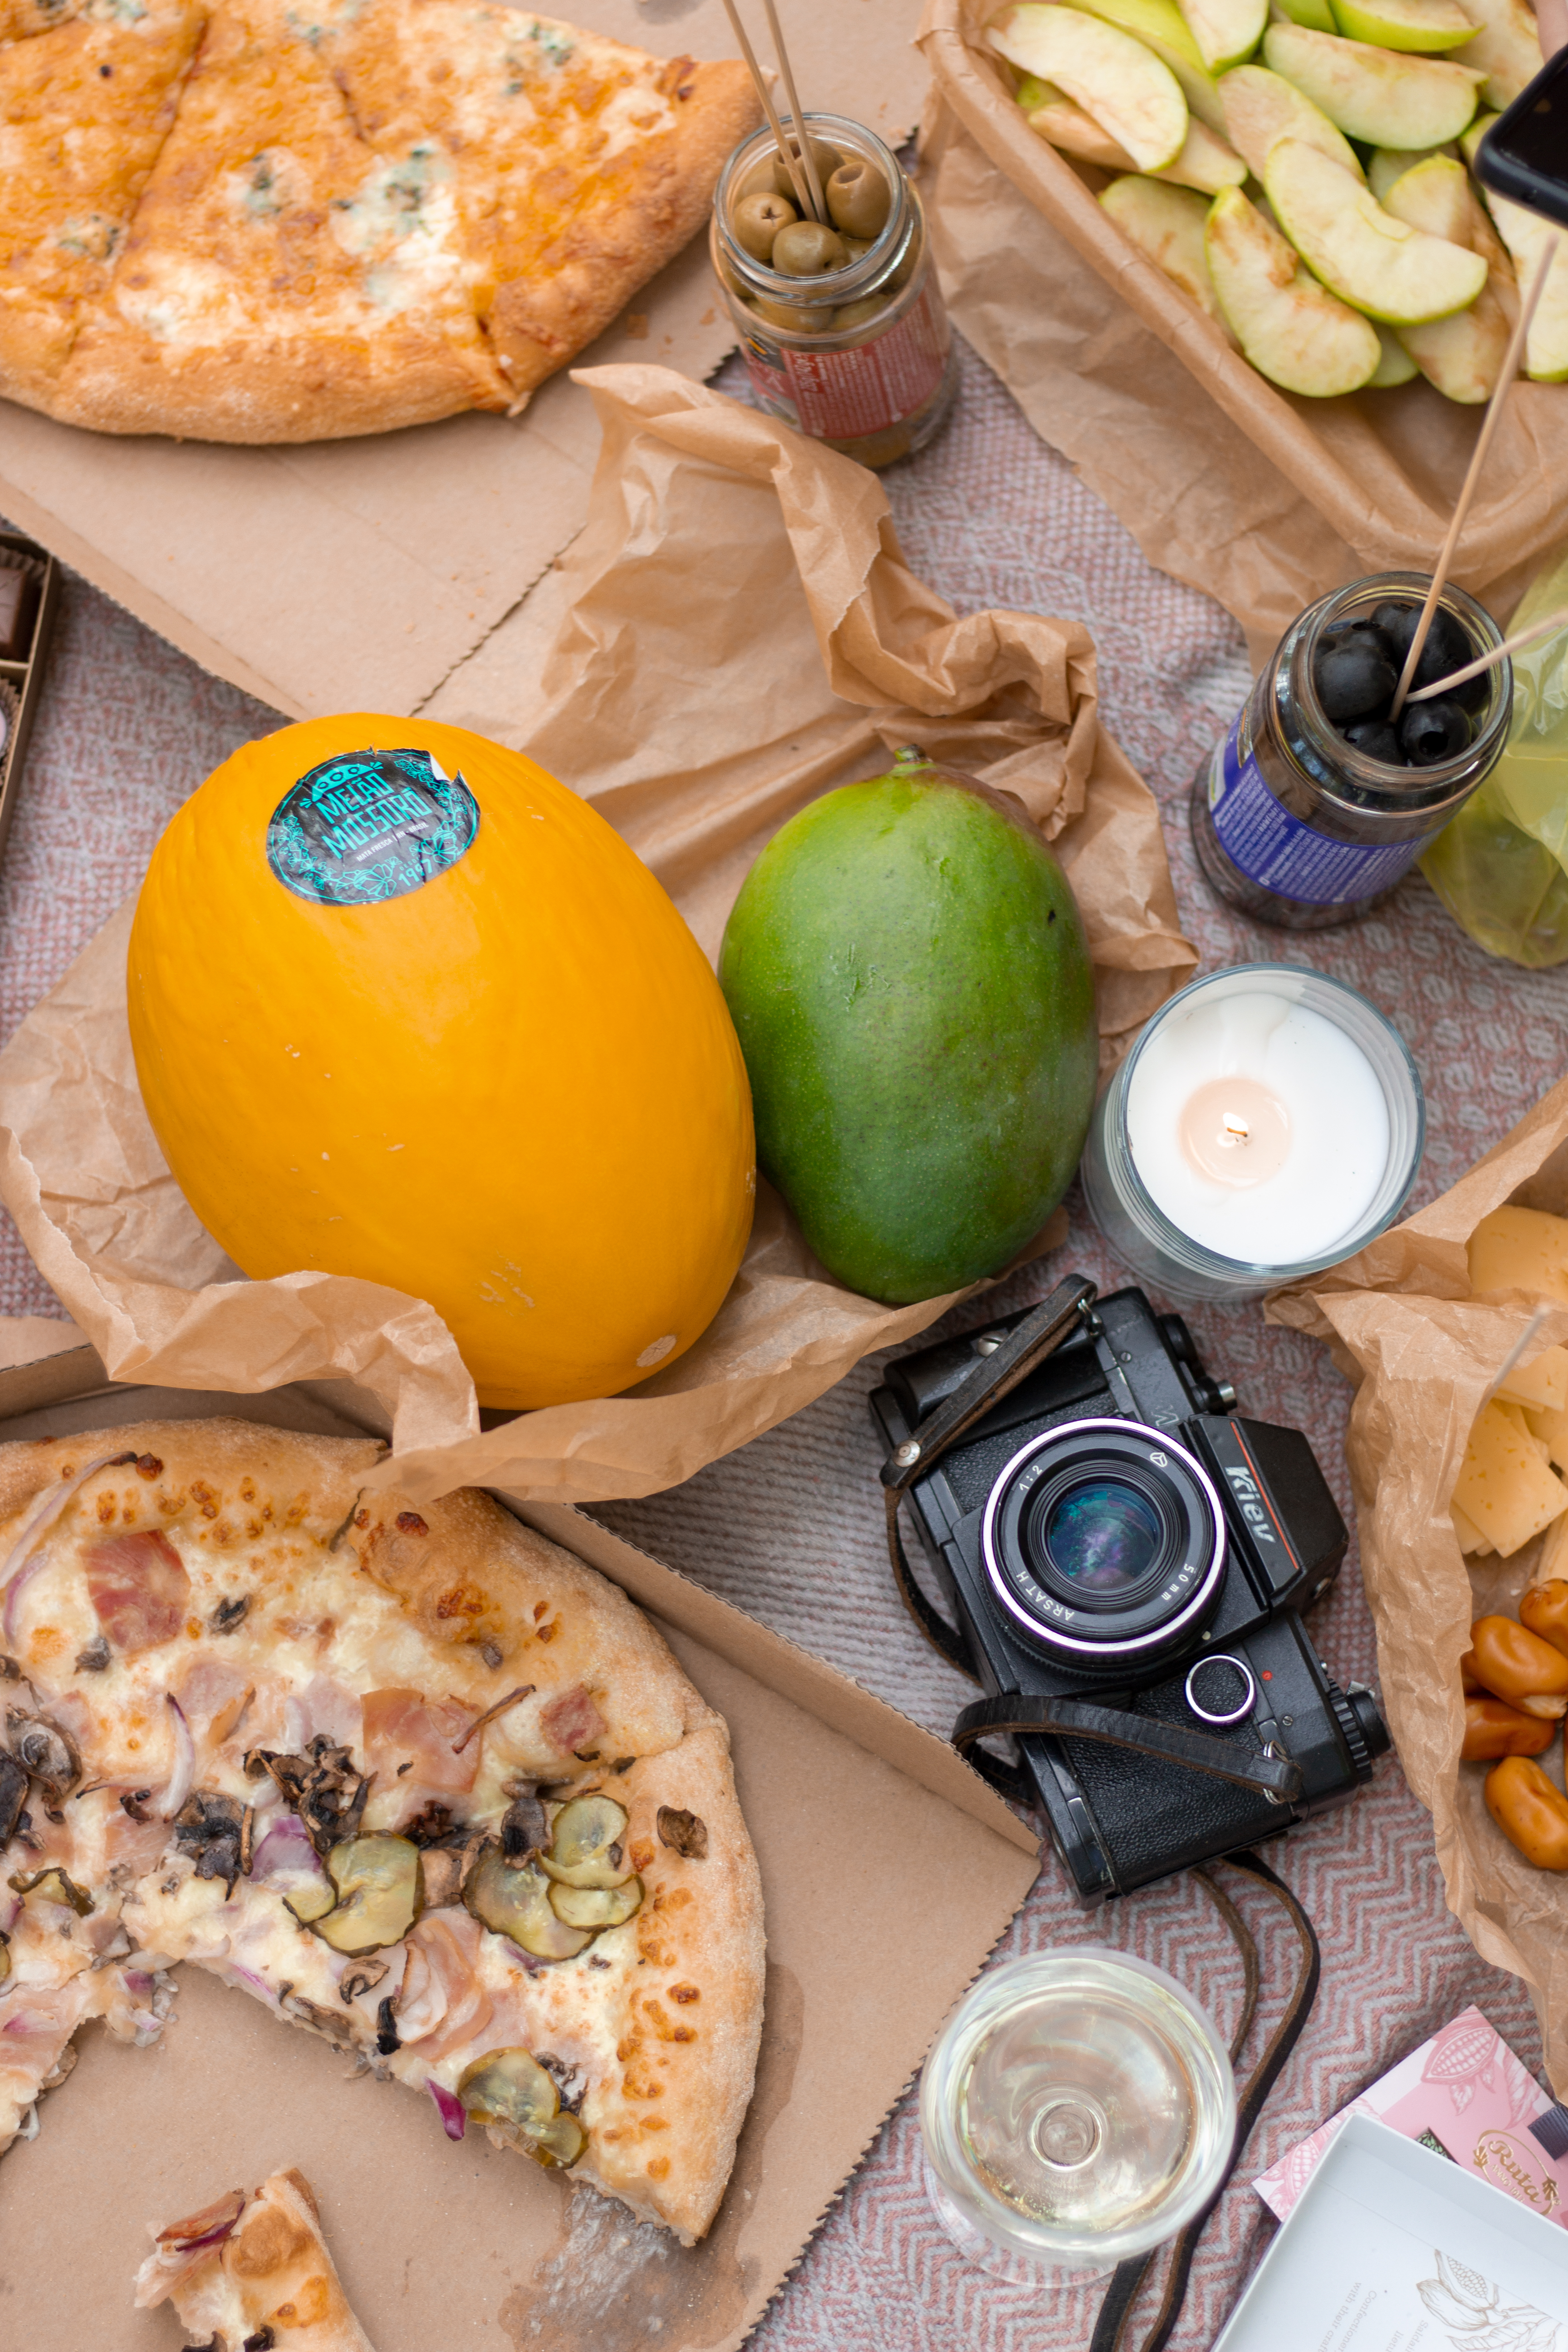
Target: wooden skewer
{"x": 790, "y": 162}
{"x": 813, "y": 177}
{"x": 1488, "y": 661}
{"x": 1489, "y": 424}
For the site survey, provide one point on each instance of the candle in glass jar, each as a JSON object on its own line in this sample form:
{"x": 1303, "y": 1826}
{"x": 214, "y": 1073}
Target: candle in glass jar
{"x": 1257, "y": 1127}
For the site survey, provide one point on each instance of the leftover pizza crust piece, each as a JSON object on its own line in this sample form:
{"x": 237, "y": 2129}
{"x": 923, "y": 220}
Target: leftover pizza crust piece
{"x": 280, "y": 280}
{"x": 216, "y": 1588}
{"x": 247, "y": 2273}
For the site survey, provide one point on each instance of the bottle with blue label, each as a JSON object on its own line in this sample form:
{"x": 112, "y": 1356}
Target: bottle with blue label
{"x": 1314, "y": 805}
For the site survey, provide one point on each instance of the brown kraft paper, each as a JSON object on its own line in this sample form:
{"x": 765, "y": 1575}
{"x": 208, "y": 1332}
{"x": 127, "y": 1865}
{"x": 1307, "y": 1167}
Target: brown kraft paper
{"x": 735, "y": 632}
{"x": 1262, "y": 499}
{"x": 1425, "y": 1351}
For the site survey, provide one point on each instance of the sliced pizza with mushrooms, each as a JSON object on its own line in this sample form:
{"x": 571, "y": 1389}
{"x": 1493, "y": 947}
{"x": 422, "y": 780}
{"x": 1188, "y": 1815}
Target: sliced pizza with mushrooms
{"x": 420, "y": 1781}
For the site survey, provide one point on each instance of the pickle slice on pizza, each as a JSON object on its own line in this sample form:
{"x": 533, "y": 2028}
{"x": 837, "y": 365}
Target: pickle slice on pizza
{"x": 281, "y": 280}
{"x": 85, "y": 107}
{"x": 417, "y": 1780}
{"x": 248, "y": 2272}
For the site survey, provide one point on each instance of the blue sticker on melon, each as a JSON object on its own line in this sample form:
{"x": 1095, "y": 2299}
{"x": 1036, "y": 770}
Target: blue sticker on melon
{"x": 370, "y": 826}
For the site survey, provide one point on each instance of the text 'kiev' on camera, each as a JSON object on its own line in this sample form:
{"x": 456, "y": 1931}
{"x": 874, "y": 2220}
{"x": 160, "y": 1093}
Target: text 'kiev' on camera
{"x": 1112, "y": 1530}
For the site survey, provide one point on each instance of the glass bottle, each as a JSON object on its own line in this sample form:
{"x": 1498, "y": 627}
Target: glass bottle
{"x": 862, "y": 357}
{"x": 1296, "y": 828}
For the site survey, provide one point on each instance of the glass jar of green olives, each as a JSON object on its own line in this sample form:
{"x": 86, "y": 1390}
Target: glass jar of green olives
{"x": 841, "y": 322}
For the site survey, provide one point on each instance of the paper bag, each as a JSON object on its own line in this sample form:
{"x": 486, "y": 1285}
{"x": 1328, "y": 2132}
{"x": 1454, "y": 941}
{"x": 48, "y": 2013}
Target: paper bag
{"x": 736, "y": 633}
{"x": 1261, "y": 498}
{"x": 1403, "y": 1325}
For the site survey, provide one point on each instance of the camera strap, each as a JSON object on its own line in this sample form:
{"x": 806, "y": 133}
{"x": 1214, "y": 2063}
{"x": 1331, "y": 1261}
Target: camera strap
{"x": 1272, "y": 1774}
{"x": 1116, "y": 2311}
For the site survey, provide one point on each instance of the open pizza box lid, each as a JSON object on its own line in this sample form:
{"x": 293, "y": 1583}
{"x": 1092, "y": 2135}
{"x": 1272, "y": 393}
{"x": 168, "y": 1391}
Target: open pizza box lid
{"x": 876, "y": 1845}
{"x": 358, "y": 575}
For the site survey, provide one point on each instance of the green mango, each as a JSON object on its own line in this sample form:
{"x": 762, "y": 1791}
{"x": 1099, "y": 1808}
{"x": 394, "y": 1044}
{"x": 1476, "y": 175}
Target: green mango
{"x": 908, "y": 977}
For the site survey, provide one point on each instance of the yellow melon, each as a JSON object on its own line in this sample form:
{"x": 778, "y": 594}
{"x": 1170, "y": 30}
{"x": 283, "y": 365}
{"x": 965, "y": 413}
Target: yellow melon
{"x": 405, "y": 1007}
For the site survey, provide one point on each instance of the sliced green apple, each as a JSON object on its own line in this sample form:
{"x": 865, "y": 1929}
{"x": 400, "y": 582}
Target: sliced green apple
{"x": 1316, "y": 13}
{"x": 1205, "y": 162}
{"x": 1067, "y": 126}
{"x": 1161, "y": 26}
{"x": 1364, "y": 255}
{"x": 1417, "y": 26}
{"x": 1437, "y": 195}
{"x": 1462, "y": 355}
{"x": 1506, "y": 48}
{"x": 1124, "y": 86}
{"x": 1373, "y": 95}
{"x": 1526, "y": 236}
{"x": 1388, "y": 163}
{"x": 1475, "y": 134}
{"x": 1226, "y": 31}
{"x": 1396, "y": 366}
{"x": 1261, "y": 106}
{"x": 1167, "y": 223}
{"x": 1289, "y": 327}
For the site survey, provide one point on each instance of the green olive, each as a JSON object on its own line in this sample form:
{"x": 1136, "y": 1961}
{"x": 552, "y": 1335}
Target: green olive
{"x": 808, "y": 250}
{"x": 858, "y": 314}
{"x": 827, "y": 158}
{"x": 856, "y": 248}
{"x": 510, "y": 2091}
{"x": 380, "y": 1893}
{"x": 759, "y": 180}
{"x": 596, "y": 1906}
{"x": 799, "y": 316}
{"x": 516, "y": 1904}
{"x": 858, "y": 199}
{"x": 756, "y": 222}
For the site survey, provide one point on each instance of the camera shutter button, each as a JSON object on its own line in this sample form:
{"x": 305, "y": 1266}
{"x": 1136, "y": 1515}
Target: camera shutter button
{"x": 1216, "y": 1670}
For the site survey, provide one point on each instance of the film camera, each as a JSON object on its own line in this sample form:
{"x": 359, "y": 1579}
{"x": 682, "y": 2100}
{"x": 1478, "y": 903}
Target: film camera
{"x": 1125, "y": 1556}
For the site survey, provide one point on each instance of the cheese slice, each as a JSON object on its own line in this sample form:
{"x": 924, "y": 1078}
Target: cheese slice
{"x": 1541, "y": 1385}
{"x": 1551, "y": 1430}
{"x": 1470, "y": 1537}
{"x": 1520, "y": 1249}
{"x": 1504, "y": 1487}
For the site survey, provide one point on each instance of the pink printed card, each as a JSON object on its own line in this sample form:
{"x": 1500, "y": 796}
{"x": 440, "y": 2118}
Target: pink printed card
{"x": 1465, "y": 2095}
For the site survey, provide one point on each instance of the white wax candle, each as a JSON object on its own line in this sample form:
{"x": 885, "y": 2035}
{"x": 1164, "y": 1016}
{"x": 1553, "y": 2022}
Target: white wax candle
{"x": 1258, "y": 1128}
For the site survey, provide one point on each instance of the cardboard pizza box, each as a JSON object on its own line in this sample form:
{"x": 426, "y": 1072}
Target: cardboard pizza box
{"x": 889, "y": 1869}
{"x": 354, "y": 575}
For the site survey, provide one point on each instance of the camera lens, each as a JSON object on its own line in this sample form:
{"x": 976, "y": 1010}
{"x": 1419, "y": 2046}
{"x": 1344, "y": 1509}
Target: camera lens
{"x": 1103, "y": 1537}
{"x": 1104, "y": 1544}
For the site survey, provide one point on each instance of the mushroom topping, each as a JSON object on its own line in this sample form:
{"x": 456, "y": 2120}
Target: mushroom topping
{"x": 94, "y": 1658}
{"x": 5, "y": 1956}
{"x": 585, "y": 1847}
{"x": 683, "y": 1832}
{"x": 211, "y": 1827}
{"x": 13, "y": 1796}
{"x": 596, "y": 1906}
{"x": 322, "y": 1786}
{"x": 64, "y": 1890}
{"x": 511, "y": 2094}
{"x": 43, "y": 1751}
{"x": 338, "y": 2031}
{"x": 363, "y": 1976}
{"x": 228, "y": 1615}
{"x": 380, "y": 1894}
{"x": 524, "y": 1828}
{"x": 515, "y": 1903}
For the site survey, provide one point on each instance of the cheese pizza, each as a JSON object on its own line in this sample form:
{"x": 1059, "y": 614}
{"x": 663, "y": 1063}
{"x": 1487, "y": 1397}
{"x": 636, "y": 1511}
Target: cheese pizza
{"x": 418, "y": 1781}
{"x": 270, "y": 220}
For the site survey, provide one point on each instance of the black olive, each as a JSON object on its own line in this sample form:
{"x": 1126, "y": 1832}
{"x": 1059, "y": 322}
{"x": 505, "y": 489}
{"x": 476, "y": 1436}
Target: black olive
{"x": 1432, "y": 731}
{"x": 1375, "y": 738}
{"x": 1353, "y": 678}
{"x": 1447, "y": 649}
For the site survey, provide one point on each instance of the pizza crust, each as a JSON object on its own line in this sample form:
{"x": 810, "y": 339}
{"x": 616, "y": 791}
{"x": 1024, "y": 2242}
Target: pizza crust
{"x": 294, "y": 1598}
{"x": 271, "y": 2277}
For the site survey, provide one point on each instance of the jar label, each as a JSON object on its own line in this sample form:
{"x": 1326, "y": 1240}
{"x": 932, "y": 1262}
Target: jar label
{"x": 369, "y": 825}
{"x": 1275, "y": 849}
{"x": 844, "y": 396}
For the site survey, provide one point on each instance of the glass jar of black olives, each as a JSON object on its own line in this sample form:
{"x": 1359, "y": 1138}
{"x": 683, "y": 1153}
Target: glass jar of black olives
{"x": 1314, "y": 804}
{"x": 842, "y": 324}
